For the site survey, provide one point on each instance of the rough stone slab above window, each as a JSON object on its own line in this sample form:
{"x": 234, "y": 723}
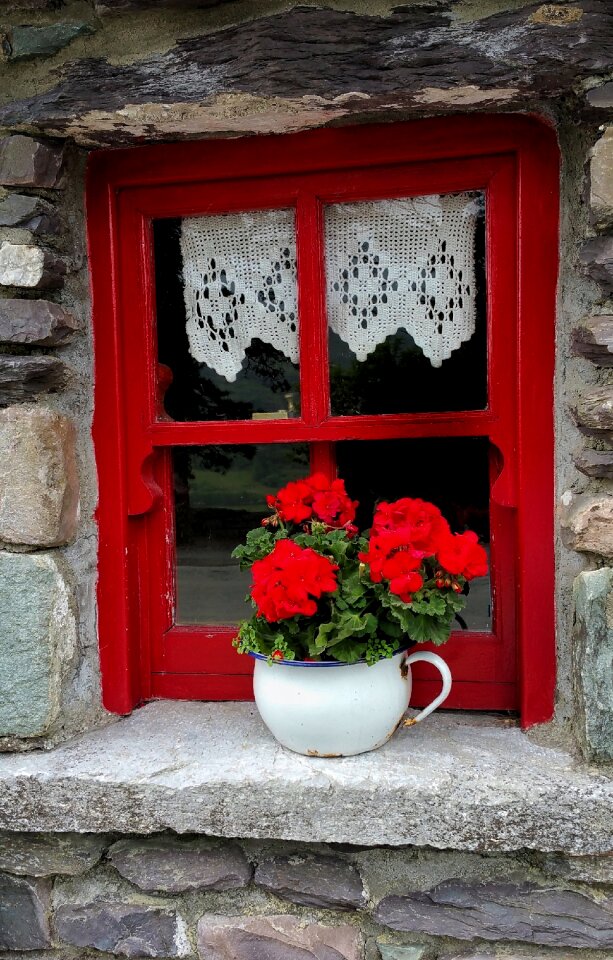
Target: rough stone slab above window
{"x": 37, "y": 448}
{"x": 459, "y": 782}
{"x": 25, "y": 162}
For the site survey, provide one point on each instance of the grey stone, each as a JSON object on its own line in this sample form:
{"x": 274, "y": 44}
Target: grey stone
{"x": 37, "y": 447}
{"x": 502, "y": 911}
{"x": 24, "y": 906}
{"x": 37, "y": 641}
{"x": 23, "y": 378}
{"x": 593, "y": 636}
{"x": 601, "y": 181}
{"x": 460, "y": 782}
{"x": 594, "y": 411}
{"x": 40, "y": 855}
{"x": 174, "y": 865}
{"x": 593, "y": 339}
{"x": 597, "y": 258}
{"x": 585, "y": 869}
{"x": 587, "y": 524}
{"x": 26, "y": 42}
{"x": 31, "y": 213}
{"x": 275, "y": 938}
{"x": 31, "y": 267}
{"x": 595, "y": 463}
{"x": 390, "y": 951}
{"x": 25, "y": 162}
{"x": 601, "y": 97}
{"x": 38, "y": 323}
{"x": 313, "y": 881}
{"x": 127, "y": 929}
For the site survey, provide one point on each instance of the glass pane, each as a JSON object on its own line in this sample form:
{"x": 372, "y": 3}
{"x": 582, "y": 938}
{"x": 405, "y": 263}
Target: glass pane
{"x": 406, "y": 305}
{"x": 220, "y": 494}
{"x": 451, "y": 473}
{"x": 227, "y": 317}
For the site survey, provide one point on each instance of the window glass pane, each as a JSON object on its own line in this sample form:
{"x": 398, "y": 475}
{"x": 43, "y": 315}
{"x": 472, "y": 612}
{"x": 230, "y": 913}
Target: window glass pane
{"x": 451, "y": 473}
{"x": 227, "y": 316}
{"x": 220, "y": 494}
{"x": 405, "y": 288}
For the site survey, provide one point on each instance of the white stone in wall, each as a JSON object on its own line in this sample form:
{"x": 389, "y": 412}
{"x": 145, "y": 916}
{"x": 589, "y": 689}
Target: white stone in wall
{"x": 587, "y": 524}
{"x": 39, "y": 486}
{"x": 25, "y": 265}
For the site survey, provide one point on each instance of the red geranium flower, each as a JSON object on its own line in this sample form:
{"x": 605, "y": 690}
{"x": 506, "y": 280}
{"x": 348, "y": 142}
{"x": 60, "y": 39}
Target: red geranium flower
{"x": 314, "y": 497}
{"x": 392, "y": 557}
{"x": 421, "y": 522}
{"x": 461, "y": 555}
{"x": 287, "y": 582}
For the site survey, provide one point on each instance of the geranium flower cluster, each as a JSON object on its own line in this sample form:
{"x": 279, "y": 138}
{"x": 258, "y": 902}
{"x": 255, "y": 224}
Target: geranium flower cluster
{"x": 407, "y": 532}
{"x": 314, "y": 498}
{"x": 289, "y": 580}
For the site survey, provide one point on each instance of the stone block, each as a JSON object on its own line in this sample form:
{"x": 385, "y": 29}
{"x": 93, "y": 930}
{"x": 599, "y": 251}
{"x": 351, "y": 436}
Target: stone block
{"x": 593, "y": 649}
{"x": 37, "y": 642}
{"x": 594, "y": 411}
{"x": 130, "y": 930}
{"x": 601, "y": 97}
{"x": 584, "y": 869}
{"x": 33, "y": 268}
{"x": 525, "y": 913}
{"x": 601, "y": 181}
{"x": 595, "y": 463}
{"x": 39, "y": 485}
{"x": 25, "y": 162}
{"x": 31, "y": 213}
{"x": 23, "y": 378}
{"x": 24, "y": 907}
{"x": 38, "y": 323}
{"x": 587, "y": 524}
{"x": 313, "y": 881}
{"x": 275, "y": 938}
{"x": 174, "y": 865}
{"x": 593, "y": 339}
{"x": 389, "y": 951}
{"x": 45, "y": 855}
{"x": 597, "y": 259}
{"x": 26, "y": 42}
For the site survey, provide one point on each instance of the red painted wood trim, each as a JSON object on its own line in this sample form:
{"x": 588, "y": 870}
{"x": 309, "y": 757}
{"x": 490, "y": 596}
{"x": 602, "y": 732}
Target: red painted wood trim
{"x": 133, "y": 478}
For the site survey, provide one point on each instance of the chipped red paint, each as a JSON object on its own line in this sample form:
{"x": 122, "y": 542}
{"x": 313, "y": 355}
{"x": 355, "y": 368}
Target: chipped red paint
{"x": 515, "y": 161}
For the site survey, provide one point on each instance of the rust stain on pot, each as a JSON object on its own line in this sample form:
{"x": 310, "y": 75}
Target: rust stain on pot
{"x": 409, "y": 722}
{"x": 316, "y": 753}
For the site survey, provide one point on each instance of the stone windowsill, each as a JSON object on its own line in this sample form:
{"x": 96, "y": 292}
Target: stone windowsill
{"x": 469, "y": 783}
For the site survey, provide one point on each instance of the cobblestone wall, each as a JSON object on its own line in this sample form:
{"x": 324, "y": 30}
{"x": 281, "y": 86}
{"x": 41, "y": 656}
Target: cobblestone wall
{"x": 168, "y": 896}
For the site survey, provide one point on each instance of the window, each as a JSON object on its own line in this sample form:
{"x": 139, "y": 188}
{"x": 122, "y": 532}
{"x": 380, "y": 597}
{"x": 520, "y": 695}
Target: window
{"x": 374, "y": 300}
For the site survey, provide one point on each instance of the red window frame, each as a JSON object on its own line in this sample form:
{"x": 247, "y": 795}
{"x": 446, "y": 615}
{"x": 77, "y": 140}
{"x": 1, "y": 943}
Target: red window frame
{"x": 515, "y": 161}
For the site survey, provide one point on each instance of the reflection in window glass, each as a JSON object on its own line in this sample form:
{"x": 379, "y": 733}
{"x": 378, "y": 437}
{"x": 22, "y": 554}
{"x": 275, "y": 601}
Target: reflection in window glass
{"x": 259, "y": 381}
{"x": 406, "y": 305}
{"x": 220, "y": 494}
{"x": 452, "y": 473}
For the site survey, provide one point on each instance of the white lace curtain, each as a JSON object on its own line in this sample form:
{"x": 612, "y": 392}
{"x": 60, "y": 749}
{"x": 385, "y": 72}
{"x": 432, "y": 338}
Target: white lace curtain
{"x": 390, "y": 265}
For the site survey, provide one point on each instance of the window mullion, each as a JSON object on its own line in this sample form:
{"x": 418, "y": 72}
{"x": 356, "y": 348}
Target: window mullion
{"x": 313, "y": 332}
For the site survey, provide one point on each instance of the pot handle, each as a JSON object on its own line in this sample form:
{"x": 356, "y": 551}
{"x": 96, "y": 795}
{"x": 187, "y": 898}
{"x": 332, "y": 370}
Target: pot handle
{"x": 445, "y": 673}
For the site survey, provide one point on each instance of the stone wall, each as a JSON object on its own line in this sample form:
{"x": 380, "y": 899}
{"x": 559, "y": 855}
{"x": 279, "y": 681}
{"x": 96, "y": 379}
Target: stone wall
{"x": 169, "y": 896}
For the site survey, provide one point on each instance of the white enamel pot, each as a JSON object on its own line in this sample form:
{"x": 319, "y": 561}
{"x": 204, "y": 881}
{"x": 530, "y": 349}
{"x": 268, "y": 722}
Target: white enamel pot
{"x": 330, "y": 709}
